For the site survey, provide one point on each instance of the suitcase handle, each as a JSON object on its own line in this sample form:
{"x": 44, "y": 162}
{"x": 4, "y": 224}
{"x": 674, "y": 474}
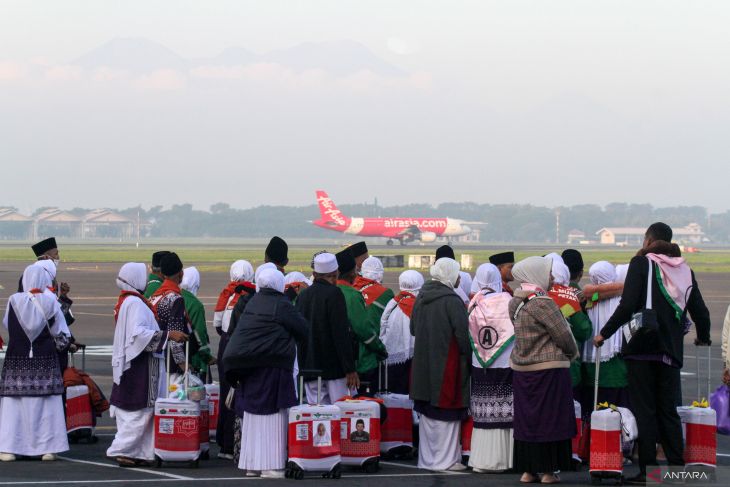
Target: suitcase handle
{"x": 598, "y": 373}
{"x": 83, "y": 357}
{"x": 309, "y": 373}
{"x": 185, "y": 374}
{"x": 709, "y": 371}
{"x": 380, "y": 380}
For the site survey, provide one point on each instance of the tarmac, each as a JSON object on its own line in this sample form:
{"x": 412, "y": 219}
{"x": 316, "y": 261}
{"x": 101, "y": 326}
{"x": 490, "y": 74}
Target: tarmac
{"x": 94, "y": 293}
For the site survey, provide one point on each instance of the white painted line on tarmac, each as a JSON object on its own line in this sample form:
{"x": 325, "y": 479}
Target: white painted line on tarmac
{"x": 111, "y": 465}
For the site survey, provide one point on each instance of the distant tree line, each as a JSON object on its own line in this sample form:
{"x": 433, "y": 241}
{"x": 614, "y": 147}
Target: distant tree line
{"x": 505, "y": 223}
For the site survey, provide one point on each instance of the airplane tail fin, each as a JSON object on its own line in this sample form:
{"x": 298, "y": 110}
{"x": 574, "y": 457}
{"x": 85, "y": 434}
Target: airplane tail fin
{"x": 330, "y": 216}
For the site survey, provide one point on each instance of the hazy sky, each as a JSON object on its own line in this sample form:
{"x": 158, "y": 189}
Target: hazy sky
{"x": 544, "y": 102}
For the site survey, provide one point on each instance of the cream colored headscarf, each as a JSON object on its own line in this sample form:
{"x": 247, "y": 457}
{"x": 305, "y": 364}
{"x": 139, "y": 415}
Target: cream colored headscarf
{"x": 535, "y": 271}
{"x": 446, "y": 271}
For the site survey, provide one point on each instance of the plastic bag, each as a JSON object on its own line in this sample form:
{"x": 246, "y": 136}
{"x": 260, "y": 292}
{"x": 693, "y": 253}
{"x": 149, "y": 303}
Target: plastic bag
{"x": 195, "y": 390}
{"x": 720, "y": 402}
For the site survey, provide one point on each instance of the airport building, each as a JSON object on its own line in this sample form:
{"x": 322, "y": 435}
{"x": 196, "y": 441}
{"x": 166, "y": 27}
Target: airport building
{"x": 100, "y": 223}
{"x": 692, "y": 233}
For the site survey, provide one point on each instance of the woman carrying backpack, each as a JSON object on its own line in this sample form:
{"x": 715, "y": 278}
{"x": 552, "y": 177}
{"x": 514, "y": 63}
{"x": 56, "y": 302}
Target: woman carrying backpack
{"x": 491, "y": 333}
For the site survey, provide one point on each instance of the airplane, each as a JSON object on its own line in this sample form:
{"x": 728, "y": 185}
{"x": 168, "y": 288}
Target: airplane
{"x": 405, "y": 230}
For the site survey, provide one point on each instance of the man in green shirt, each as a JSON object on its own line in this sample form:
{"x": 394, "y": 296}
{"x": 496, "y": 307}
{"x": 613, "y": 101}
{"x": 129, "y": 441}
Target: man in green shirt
{"x": 154, "y": 280}
{"x": 370, "y": 349}
{"x": 203, "y": 358}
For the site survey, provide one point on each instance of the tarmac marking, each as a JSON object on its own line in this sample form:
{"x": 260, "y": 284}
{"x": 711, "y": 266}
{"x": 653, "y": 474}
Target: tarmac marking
{"x": 106, "y": 315}
{"x": 111, "y": 465}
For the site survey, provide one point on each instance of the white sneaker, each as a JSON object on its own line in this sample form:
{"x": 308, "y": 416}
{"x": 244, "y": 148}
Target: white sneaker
{"x": 49, "y": 457}
{"x": 457, "y": 467}
{"x": 225, "y": 456}
{"x": 253, "y": 473}
{"x": 272, "y": 474}
{"x": 7, "y": 457}
{"x": 479, "y": 470}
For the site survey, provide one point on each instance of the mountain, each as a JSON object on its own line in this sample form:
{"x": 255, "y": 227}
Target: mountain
{"x": 339, "y": 58}
{"x": 136, "y": 55}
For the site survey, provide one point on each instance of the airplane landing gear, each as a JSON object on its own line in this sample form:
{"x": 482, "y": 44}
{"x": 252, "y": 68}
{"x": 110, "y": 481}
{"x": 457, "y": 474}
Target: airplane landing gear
{"x": 389, "y": 242}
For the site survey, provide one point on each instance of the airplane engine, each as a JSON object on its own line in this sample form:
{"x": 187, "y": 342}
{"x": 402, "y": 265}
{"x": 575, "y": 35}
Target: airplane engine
{"x": 428, "y": 237}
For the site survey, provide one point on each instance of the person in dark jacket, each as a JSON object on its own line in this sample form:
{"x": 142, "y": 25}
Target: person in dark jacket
{"x": 260, "y": 358}
{"x": 329, "y": 347}
{"x": 655, "y": 357}
{"x": 441, "y": 367}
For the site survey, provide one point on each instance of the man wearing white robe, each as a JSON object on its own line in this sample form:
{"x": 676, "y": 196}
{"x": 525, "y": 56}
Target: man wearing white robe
{"x": 138, "y": 370}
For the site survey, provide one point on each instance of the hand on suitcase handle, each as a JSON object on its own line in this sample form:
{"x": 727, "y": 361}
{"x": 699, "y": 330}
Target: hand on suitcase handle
{"x": 598, "y": 340}
{"x": 177, "y": 336}
{"x": 353, "y": 380}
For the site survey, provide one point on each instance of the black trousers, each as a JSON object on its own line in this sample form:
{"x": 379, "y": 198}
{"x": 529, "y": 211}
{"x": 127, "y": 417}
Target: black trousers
{"x": 653, "y": 390}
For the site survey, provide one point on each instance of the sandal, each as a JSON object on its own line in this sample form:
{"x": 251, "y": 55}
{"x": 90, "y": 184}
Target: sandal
{"x": 125, "y": 462}
{"x": 528, "y": 478}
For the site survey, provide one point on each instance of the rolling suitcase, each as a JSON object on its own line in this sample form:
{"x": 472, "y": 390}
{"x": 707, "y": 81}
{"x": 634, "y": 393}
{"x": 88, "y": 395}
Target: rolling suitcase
{"x": 360, "y": 433}
{"x": 606, "y": 459}
{"x": 177, "y": 425}
{"x": 467, "y": 428}
{"x": 397, "y": 431}
{"x": 213, "y": 394}
{"x": 204, "y": 429}
{"x": 79, "y": 412}
{"x": 313, "y": 436}
{"x": 579, "y": 435}
{"x": 699, "y": 426}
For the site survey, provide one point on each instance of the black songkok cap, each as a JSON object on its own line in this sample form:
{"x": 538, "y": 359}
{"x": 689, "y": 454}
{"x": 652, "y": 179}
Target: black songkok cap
{"x": 574, "y": 260}
{"x": 171, "y": 264}
{"x": 503, "y": 258}
{"x": 445, "y": 251}
{"x": 157, "y": 258}
{"x": 277, "y": 251}
{"x": 358, "y": 249}
{"x": 44, "y": 246}
{"x": 345, "y": 261}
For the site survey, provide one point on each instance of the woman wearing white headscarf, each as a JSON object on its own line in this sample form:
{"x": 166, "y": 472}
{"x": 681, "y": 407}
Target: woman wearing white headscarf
{"x": 203, "y": 357}
{"x": 440, "y": 372}
{"x": 260, "y": 358}
{"x": 613, "y": 380}
{"x": 464, "y": 288}
{"x": 567, "y": 299}
{"x": 32, "y": 419}
{"x": 138, "y": 369}
{"x": 492, "y": 338}
{"x": 240, "y": 288}
{"x": 395, "y": 331}
{"x": 543, "y": 349}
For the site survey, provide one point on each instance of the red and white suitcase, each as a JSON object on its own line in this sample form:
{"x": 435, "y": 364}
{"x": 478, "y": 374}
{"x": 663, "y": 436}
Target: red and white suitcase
{"x": 699, "y": 424}
{"x": 177, "y": 426}
{"x": 579, "y": 429}
{"x": 213, "y": 394}
{"x": 360, "y": 433}
{"x": 467, "y": 427}
{"x": 204, "y": 429}
{"x": 606, "y": 458}
{"x": 313, "y": 436}
{"x": 397, "y": 430}
{"x": 79, "y": 415}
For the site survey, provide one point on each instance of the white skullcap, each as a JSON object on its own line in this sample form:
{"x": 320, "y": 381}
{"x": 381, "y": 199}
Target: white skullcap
{"x": 373, "y": 269}
{"x": 410, "y": 281}
{"x": 602, "y": 272}
{"x": 446, "y": 271}
{"x": 241, "y": 270}
{"x": 487, "y": 277}
{"x": 191, "y": 280}
{"x": 271, "y": 279}
{"x": 325, "y": 263}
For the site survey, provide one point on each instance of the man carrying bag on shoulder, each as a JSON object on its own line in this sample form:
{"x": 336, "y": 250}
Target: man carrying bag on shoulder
{"x": 660, "y": 289}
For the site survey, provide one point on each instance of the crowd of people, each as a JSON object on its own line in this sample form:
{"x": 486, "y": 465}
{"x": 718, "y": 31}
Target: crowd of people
{"x": 511, "y": 348}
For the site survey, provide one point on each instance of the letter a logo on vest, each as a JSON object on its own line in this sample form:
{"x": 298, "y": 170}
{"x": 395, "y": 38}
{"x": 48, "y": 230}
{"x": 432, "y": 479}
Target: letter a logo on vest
{"x": 488, "y": 337}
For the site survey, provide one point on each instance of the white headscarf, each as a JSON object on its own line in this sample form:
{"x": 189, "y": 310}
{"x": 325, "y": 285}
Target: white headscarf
{"x": 259, "y": 270}
{"x": 241, "y": 270}
{"x": 136, "y": 324}
{"x": 446, "y": 271}
{"x": 191, "y": 280}
{"x": 602, "y": 272}
{"x": 34, "y": 311}
{"x": 621, "y": 271}
{"x": 487, "y": 277}
{"x": 560, "y": 271}
{"x": 373, "y": 269}
{"x": 296, "y": 276}
{"x": 270, "y": 279}
{"x": 465, "y": 282}
{"x": 410, "y": 281}
{"x": 533, "y": 271}
{"x": 49, "y": 266}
